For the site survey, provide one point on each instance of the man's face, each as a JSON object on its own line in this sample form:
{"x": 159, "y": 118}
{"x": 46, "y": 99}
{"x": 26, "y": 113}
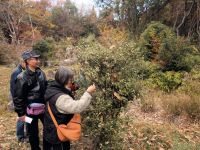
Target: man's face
{"x": 33, "y": 62}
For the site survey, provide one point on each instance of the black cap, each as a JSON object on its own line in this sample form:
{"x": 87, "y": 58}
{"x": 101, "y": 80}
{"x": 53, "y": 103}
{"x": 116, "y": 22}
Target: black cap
{"x": 29, "y": 54}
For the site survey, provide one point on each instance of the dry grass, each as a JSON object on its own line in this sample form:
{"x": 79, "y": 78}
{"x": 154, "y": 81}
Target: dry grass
{"x": 154, "y": 130}
{"x": 147, "y": 104}
{"x": 192, "y": 107}
{"x": 177, "y": 104}
{"x": 9, "y": 53}
{"x": 4, "y": 87}
{"x": 162, "y": 121}
{"x": 150, "y": 101}
{"x": 173, "y": 104}
{"x": 184, "y": 102}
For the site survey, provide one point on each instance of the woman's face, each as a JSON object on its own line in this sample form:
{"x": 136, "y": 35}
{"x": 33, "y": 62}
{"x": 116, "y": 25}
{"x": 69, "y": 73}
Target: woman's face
{"x": 69, "y": 84}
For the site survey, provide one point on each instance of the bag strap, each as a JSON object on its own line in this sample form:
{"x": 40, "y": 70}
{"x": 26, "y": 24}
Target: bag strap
{"x": 52, "y": 116}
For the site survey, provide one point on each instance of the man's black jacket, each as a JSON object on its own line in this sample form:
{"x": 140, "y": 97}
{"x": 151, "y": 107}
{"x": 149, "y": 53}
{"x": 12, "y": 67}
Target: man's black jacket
{"x": 30, "y": 88}
{"x": 13, "y": 78}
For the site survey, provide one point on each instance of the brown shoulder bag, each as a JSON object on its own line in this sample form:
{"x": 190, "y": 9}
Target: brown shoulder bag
{"x": 70, "y": 131}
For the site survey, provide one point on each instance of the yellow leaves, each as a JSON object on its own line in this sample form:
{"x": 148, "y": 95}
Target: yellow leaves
{"x": 38, "y": 14}
{"x": 112, "y": 47}
{"x": 111, "y": 36}
{"x": 31, "y": 35}
{"x": 51, "y": 25}
{"x": 195, "y": 49}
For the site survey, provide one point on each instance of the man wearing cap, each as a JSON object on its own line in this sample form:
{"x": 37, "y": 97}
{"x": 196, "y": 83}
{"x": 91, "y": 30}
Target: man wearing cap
{"x": 20, "y": 124}
{"x": 29, "y": 96}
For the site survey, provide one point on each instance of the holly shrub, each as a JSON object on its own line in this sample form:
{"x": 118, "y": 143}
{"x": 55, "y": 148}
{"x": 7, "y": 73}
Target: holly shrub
{"x": 116, "y": 73}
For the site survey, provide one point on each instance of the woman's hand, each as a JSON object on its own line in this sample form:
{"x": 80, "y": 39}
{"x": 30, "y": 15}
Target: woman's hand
{"x": 91, "y": 89}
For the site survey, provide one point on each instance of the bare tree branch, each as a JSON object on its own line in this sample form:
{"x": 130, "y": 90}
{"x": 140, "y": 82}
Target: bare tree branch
{"x": 186, "y": 14}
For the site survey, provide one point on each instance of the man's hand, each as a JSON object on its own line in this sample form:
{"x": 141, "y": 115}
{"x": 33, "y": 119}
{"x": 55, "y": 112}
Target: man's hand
{"x": 91, "y": 89}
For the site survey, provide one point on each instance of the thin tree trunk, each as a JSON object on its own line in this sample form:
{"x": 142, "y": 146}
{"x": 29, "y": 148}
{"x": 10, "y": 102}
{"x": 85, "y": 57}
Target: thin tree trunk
{"x": 33, "y": 34}
{"x": 177, "y": 14}
{"x": 198, "y": 22}
{"x": 186, "y": 14}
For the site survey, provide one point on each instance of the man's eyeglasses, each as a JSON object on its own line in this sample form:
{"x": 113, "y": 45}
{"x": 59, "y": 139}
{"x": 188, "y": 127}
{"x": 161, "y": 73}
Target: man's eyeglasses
{"x": 34, "y": 58}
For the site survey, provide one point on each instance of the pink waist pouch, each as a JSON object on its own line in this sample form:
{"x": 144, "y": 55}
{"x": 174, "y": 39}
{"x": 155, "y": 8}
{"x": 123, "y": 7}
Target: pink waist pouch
{"x": 35, "y": 109}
